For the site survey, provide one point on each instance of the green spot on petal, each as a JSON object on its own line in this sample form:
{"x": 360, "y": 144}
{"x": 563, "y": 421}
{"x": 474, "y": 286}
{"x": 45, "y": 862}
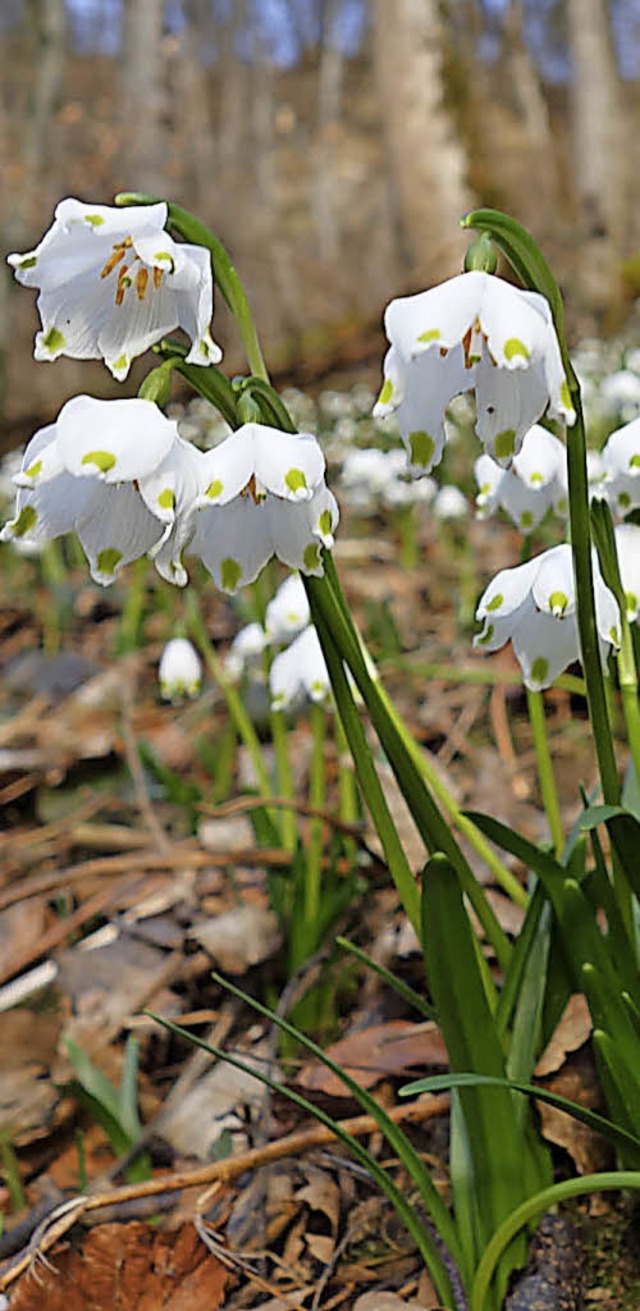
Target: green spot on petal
{"x": 230, "y": 574}
{"x": 29, "y": 262}
{"x": 311, "y": 556}
{"x": 504, "y": 444}
{"x": 94, "y": 220}
{"x": 421, "y": 448}
{"x": 495, "y": 602}
{"x": 295, "y": 480}
{"x": 103, "y": 460}
{"x": 107, "y": 560}
{"x": 526, "y": 519}
{"x": 121, "y": 363}
{"x": 166, "y": 499}
{"x": 535, "y": 478}
{"x": 565, "y": 395}
{"x": 325, "y": 524}
{"x": 486, "y": 636}
{"x": 624, "y": 500}
{"x": 386, "y": 393}
{"x": 34, "y": 469}
{"x": 54, "y": 341}
{"x": 634, "y": 462}
{"x": 514, "y": 347}
{"x": 614, "y": 636}
{"x": 558, "y": 602}
{"x": 25, "y": 522}
{"x": 630, "y": 603}
{"x": 540, "y": 669}
{"x": 432, "y": 334}
{"x": 215, "y": 489}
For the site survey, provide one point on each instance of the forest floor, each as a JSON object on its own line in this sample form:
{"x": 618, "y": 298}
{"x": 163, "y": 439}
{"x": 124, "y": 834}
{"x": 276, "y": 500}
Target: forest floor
{"x": 129, "y": 868}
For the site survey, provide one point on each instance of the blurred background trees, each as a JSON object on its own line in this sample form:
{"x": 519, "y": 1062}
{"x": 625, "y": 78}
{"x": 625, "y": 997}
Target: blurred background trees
{"x": 333, "y": 144}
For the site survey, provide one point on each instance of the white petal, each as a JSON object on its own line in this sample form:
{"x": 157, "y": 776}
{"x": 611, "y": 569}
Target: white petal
{"x": 431, "y": 384}
{"x": 41, "y": 460}
{"x": 171, "y": 492}
{"x": 526, "y": 507}
{"x": 553, "y": 588}
{"x": 291, "y": 465}
{"x": 508, "y": 403}
{"x": 233, "y": 541}
{"x": 393, "y": 386}
{"x": 180, "y": 669}
{"x": 488, "y": 476}
{"x": 115, "y": 440}
{"x": 435, "y": 319}
{"x": 544, "y": 647}
{"x": 628, "y": 547}
{"x": 621, "y": 455}
{"x": 541, "y": 458}
{"x": 115, "y": 528}
{"x": 507, "y": 591}
{"x": 288, "y": 612}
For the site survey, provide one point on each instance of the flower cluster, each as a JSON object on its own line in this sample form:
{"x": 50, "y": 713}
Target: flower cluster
{"x": 297, "y": 674}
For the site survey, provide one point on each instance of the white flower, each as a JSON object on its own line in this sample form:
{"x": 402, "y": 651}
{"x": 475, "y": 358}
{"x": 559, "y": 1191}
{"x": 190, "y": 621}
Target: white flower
{"x": 536, "y": 481}
{"x": 300, "y": 673}
{"x": 112, "y": 282}
{"x": 245, "y": 649}
{"x": 534, "y": 605}
{"x": 473, "y": 332}
{"x": 621, "y": 463}
{"x": 628, "y": 547}
{"x": 450, "y": 503}
{"x": 263, "y": 494}
{"x": 109, "y": 471}
{"x": 621, "y": 391}
{"x": 180, "y": 670}
{"x": 288, "y": 612}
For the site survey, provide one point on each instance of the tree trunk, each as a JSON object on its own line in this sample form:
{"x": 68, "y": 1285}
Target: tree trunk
{"x": 427, "y": 160}
{"x": 599, "y": 148}
{"x": 143, "y": 96}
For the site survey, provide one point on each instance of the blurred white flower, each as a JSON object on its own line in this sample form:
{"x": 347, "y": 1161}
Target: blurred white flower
{"x": 262, "y": 493}
{"x": 535, "y": 483}
{"x": 621, "y": 462}
{"x": 180, "y": 670}
{"x": 110, "y": 470}
{"x": 534, "y": 605}
{"x": 621, "y": 392}
{"x": 450, "y": 503}
{"x": 245, "y": 650}
{"x": 300, "y": 674}
{"x": 288, "y": 612}
{"x": 628, "y": 547}
{"x": 473, "y": 332}
{"x": 112, "y": 282}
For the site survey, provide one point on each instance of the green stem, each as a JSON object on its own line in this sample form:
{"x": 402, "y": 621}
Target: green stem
{"x": 546, "y": 776}
{"x": 287, "y": 816}
{"x": 372, "y": 792}
{"x": 224, "y": 272}
{"x": 130, "y": 629}
{"x": 400, "y": 750}
{"x": 317, "y": 796}
{"x": 542, "y": 1201}
{"x": 585, "y": 601}
{"x": 235, "y": 705}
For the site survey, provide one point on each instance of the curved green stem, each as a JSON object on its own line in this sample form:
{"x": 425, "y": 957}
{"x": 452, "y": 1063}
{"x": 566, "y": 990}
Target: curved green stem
{"x": 548, "y": 1197}
{"x": 317, "y": 796}
{"x": 226, "y": 277}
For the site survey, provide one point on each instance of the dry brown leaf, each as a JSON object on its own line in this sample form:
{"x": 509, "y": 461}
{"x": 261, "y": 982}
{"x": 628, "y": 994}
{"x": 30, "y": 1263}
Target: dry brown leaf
{"x": 576, "y": 1081}
{"x": 371, "y": 1054}
{"x": 239, "y": 938}
{"x": 572, "y": 1031}
{"x": 122, "y": 1267}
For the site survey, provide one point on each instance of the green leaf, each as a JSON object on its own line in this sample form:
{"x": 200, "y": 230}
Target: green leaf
{"x": 622, "y": 1139}
{"x": 403, "y": 989}
{"x": 493, "y": 1139}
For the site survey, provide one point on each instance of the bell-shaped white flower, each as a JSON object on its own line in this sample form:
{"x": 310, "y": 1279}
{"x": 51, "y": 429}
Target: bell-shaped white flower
{"x": 112, "y": 282}
{"x": 288, "y": 612}
{"x": 473, "y": 332}
{"x": 300, "y": 674}
{"x": 180, "y": 670}
{"x": 95, "y": 471}
{"x": 628, "y": 547}
{"x": 245, "y": 650}
{"x": 536, "y": 481}
{"x": 621, "y": 463}
{"x": 534, "y": 606}
{"x": 450, "y": 503}
{"x": 264, "y": 494}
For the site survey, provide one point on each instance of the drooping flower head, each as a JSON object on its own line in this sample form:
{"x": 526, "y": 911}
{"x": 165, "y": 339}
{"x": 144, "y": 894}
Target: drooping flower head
{"x": 180, "y": 670}
{"x": 535, "y": 483}
{"x": 300, "y": 674}
{"x": 288, "y": 612}
{"x": 621, "y": 464}
{"x": 112, "y": 282}
{"x": 473, "y": 332}
{"x": 534, "y": 606}
{"x": 262, "y": 493}
{"x": 106, "y": 470}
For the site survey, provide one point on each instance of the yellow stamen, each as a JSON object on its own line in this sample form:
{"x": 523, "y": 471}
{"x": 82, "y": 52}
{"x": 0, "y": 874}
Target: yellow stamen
{"x": 123, "y": 283}
{"x": 157, "y": 277}
{"x": 142, "y": 278}
{"x": 118, "y": 253}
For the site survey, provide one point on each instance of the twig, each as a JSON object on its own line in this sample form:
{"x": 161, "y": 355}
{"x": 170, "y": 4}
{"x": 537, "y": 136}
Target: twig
{"x": 64, "y": 1217}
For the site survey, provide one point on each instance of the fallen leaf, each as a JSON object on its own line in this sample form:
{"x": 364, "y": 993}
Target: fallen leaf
{"x": 122, "y": 1267}
{"x": 572, "y": 1031}
{"x": 239, "y": 938}
{"x": 373, "y": 1053}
